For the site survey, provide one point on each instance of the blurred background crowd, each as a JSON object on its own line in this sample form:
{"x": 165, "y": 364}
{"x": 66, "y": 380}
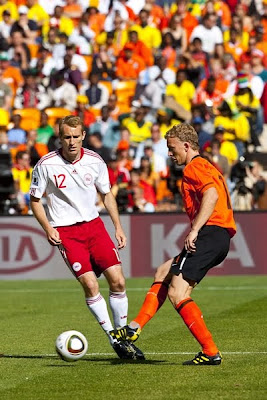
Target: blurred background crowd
{"x": 131, "y": 70}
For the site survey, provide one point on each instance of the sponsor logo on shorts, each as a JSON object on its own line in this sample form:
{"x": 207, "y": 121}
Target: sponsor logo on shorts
{"x": 76, "y": 266}
{"x": 88, "y": 179}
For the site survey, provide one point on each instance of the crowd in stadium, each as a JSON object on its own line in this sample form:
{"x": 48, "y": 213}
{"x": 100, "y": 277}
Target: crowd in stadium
{"x": 132, "y": 70}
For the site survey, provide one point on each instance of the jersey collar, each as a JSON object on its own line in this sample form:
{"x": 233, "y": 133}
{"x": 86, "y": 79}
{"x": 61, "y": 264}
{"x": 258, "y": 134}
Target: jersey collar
{"x": 74, "y": 162}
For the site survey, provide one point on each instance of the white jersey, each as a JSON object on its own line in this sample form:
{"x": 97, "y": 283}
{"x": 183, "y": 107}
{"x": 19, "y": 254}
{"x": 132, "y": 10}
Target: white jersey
{"x": 70, "y": 187}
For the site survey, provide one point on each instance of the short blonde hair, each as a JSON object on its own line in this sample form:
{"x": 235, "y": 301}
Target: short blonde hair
{"x": 185, "y": 133}
{"x": 69, "y": 120}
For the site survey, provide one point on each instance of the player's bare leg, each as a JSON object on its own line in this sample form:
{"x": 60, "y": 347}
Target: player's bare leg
{"x": 179, "y": 294}
{"x": 154, "y": 299}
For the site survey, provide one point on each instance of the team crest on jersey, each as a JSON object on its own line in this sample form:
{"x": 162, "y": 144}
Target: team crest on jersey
{"x": 88, "y": 179}
{"x": 76, "y": 266}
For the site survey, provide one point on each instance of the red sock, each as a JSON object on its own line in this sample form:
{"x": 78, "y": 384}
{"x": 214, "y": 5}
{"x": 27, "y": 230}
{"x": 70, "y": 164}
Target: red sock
{"x": 193, "y": 319}
{"x": 154, "y": 299}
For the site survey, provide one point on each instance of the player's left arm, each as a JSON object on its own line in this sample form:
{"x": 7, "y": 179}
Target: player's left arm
{"x": 207, "y": 205}
{"x": 111, "y": 206}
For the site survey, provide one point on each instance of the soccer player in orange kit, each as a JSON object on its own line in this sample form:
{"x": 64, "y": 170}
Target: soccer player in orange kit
{"x": 207, "y": 204}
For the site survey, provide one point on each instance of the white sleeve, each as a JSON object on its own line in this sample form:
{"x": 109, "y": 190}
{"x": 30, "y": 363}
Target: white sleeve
{"x": 102, "y": 182}
{"x": 38, "y": 182}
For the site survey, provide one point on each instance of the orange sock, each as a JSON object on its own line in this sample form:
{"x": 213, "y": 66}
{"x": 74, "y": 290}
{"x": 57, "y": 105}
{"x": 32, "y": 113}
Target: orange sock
{"x": 193, "y": 319}
{"x": 155, "y": 297}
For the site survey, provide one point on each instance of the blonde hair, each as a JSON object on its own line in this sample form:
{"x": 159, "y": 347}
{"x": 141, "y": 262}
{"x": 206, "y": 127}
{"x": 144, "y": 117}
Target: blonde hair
{"x": 185, "y": 133}
{"x": 70, "y": 120}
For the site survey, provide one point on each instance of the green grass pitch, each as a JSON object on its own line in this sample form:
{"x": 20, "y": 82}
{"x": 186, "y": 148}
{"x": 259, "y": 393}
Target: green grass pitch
{"x": 33, "y": 313}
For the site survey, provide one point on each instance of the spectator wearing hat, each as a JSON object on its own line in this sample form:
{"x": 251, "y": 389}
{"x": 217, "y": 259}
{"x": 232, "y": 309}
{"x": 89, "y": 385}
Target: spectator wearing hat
{"x": 11, "y": 75}
{"x": 7, "y": 5}
{"x": 123, "y": 155}
{"x": 6, "y": 24}
{"x": 258, "y": 68}
{"x": 129, "y": 65}
{"x": 108, "y": 127}
{"x": 64, "y": 94}
{"x": 82, "y": 110}
{"x": 28, "y": 28}
{"x": 32, "y": 94}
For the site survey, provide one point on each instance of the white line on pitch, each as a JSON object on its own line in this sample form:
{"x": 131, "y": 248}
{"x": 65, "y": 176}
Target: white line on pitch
{"x": 144, "y": 289}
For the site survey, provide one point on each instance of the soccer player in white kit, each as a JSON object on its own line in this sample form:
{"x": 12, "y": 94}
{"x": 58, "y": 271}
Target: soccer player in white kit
{"x": 70, "y": 178}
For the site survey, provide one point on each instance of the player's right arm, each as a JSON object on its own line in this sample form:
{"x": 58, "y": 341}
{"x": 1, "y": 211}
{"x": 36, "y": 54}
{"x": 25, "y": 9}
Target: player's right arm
{"x": 39, "y": 213}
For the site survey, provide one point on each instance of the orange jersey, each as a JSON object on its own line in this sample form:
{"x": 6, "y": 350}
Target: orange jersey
{"x": 198, "y": 176}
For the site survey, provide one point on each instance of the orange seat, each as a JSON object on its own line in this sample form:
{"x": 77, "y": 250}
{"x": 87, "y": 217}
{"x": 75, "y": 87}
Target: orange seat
{"x": 56, "y": 112}
{"x": 95, "y": 111}
{"x": 89, "y": 62}
{"x": 33, "y": 47}
{"x": 30, "y": 118}
{"x": 108, "y": 85}
{"x": 125, "y": 90}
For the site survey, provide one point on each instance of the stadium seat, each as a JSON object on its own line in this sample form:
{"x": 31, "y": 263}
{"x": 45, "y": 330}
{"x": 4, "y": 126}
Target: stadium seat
{"x": 108, "y": 85}
{"x": 4, "y": 117}
{"x": 95, "y": 111}
{"x": 30, "y": 118}
{"x": 33, "y": 47}
{"x": 89, "y": 62}
{"x": 56, "y": 112}
{"x": 125, "y": 91}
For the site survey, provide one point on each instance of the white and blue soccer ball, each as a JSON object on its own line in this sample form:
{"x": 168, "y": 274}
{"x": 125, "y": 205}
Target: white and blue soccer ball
{"x": 71, "y": 346}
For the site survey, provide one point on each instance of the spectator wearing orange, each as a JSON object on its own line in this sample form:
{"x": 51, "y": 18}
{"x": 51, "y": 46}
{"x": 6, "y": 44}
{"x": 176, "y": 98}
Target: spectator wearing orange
{"x": 73, "y": 10}
{"x": 11, "y": 75}
{"x": 94, "y": 19}
{"x": 149, "y": 35}
{"x": 234, "y": 46}
{"x": 209, "y": 93}
{"x": 167, "y": 49}
{"x": 140, "y": 49}
{"x": 189, "y": 22}
{"x": 129, "y": 65}
{"x": 156, "y": 13}
{"x": 216, "y": 70}
{"x": 82, "y": 111}
{"x": 123, "y": 156}
{"x": 116, "y": 109}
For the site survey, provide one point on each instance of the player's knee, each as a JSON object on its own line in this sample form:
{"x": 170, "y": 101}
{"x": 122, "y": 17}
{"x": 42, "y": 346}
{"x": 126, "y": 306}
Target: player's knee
{"x": 118, "y": 285}
{"x": 175, "y": 297}
{"x": 90, "y": 287}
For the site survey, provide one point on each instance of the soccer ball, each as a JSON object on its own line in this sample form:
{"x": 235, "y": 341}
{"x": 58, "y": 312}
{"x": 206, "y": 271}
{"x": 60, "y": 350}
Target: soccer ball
{"x": 71, "y": 346}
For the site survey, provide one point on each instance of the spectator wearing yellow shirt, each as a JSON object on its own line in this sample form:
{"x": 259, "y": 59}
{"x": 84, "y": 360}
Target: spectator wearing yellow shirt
{"x": 22, "y": 172}
{"x": 11, "y": 7}
{"x": 149, "y": 35}
{"x": 60, "y": 22}
{"x": 38, "y": 14}
{"x": 182, "y": 91}
{"x": 166, "y": 120}
{"x": 236, "y": 127}
{"x": 119, "y": 31}
{"x": 139, "y": 128}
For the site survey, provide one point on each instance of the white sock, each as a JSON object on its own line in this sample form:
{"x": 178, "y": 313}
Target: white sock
{"x": 98, "y": 307}
{"x": 118, "y": 302}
